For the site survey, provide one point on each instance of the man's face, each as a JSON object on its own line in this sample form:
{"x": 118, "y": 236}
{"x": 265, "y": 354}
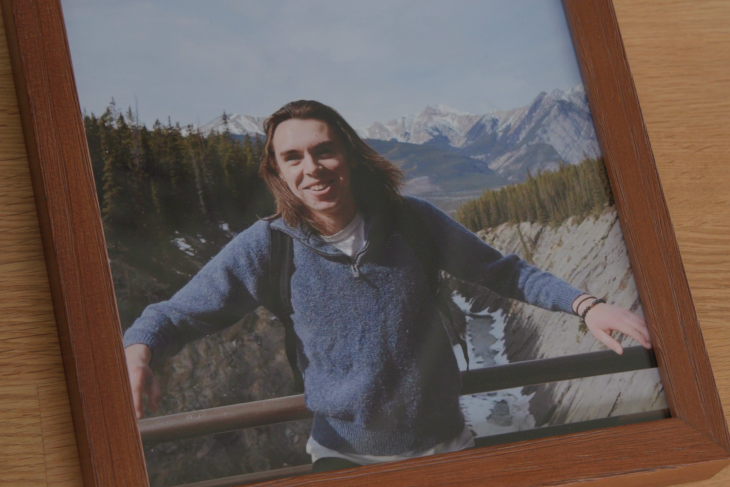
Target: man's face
{"x": 312, "y": 162}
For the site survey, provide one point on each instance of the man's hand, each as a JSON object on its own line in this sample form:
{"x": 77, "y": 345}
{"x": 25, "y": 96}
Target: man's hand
{"x": 604, "y": 318}
{"x": 141, "y": 378}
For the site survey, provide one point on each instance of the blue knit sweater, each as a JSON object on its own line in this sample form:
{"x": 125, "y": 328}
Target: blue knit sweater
{"x": 379, "y": 371}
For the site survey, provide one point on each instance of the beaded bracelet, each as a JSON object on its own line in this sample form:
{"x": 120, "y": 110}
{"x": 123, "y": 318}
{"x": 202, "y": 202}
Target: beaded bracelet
{"x": 577, "y": 306}
{"x": 590, "y": 307}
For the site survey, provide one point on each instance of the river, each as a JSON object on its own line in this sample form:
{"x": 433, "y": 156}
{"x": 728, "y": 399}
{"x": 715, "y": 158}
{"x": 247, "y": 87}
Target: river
{"x": 490, "y": 413}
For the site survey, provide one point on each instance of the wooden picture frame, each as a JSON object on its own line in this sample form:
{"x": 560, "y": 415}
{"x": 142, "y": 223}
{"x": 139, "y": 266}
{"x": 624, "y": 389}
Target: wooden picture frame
{"x": 692, "y": 445}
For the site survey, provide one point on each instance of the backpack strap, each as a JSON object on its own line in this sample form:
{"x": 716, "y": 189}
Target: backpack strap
{"x": 281, "y": 269}
{"x": 416, "y": 232}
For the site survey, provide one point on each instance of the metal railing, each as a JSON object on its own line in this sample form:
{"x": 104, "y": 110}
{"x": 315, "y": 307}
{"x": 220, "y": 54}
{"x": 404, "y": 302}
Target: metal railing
{"x": 271, "y": 411}
{"x": 239, "y": 416}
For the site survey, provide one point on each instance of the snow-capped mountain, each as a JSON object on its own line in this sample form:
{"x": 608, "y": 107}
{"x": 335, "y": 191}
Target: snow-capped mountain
{"x": 432, "y": 122}
{"x": 554, "y": 127}
{"x": 238, "y": 124}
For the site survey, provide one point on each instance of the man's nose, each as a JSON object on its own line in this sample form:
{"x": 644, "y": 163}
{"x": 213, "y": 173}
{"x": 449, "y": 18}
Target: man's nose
{"x": 311, "y": 164}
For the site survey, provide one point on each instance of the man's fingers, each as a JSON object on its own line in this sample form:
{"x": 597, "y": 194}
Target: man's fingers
{"x": 606, "y": 318}
{"x": 143, "y": 384}
{"x": 638, "y": 324}
{"x": 631, "y": 330}
{"x": 154, "y": 392}
{"x": 138, "y": 406}
{"x": 137, "y": 400}
{"x": 141, "y": 379}
{"x": 609, "y": 341}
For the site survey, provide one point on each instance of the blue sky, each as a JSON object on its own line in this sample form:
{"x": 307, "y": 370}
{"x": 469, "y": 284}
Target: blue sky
{"x": 372, "y": 60}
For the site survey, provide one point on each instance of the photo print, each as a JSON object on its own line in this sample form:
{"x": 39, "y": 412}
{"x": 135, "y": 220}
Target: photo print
{"x": 485, "y": 221}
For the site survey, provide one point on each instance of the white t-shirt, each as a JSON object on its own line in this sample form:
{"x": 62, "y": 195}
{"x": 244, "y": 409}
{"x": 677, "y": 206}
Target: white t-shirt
{"x": 350, "y": 240}
{"x": 463, "y": 441}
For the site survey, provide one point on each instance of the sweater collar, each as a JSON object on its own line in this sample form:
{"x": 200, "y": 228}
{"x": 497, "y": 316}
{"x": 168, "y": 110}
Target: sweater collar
{"x": 307, "y": 236}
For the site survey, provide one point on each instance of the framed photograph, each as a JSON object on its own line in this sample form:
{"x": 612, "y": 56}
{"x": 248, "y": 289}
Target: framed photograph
{"x": 541, "y": 152}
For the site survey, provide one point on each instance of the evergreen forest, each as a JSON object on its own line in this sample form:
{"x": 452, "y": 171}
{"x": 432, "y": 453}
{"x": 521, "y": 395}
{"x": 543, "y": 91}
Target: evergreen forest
{"x": 164, "y": 187}
{"x": 548, "y": 197}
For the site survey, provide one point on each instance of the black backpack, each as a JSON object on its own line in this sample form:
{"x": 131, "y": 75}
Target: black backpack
{"x": 419, "y": 238}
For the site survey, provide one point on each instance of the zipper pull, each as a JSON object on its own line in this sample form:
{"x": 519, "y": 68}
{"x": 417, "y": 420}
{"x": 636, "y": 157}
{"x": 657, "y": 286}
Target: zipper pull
{"x": 355, "y": 270}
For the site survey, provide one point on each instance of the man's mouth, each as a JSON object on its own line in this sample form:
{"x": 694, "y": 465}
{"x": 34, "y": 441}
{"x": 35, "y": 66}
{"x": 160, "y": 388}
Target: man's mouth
{"x": 321, "y": 186}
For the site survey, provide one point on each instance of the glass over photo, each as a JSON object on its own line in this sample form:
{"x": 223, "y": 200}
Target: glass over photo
{"x": 353, "y": 233}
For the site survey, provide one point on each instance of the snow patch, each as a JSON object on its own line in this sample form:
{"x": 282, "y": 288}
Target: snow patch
{"x": 183, "y": 245}
{"x": 498, "y": 412}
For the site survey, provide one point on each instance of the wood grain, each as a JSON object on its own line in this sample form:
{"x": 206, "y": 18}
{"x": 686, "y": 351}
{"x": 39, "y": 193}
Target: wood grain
{"x": 110, "y": 450}
{"x": 681, "y": 68}
{"x": 21, "y": 437}
{"x": 29, "y": 349}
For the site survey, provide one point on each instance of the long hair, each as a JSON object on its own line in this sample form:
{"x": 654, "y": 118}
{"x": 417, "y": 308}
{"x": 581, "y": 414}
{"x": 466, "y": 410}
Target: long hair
{"x": 374, "y": 180}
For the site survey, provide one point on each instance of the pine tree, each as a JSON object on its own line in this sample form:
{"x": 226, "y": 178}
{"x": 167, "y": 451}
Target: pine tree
{"x": 572, "y": 190}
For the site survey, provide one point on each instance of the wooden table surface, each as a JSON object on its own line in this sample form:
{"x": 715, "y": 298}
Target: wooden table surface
{"x": 679, "y": 51}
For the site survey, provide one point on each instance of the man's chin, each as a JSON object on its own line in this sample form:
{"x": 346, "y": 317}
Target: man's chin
{"x": 324, "y": 202}
{"x": 326, "y": 208}
{"x": 323, "y": 208}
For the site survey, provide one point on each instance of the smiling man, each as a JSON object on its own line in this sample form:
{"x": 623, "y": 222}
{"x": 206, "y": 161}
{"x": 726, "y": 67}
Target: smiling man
{"x": 379, "y": 372}
{"x": 312, "y": 162}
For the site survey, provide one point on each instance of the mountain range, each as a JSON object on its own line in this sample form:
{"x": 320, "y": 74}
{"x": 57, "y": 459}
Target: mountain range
{"x": 447, "y": 151}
